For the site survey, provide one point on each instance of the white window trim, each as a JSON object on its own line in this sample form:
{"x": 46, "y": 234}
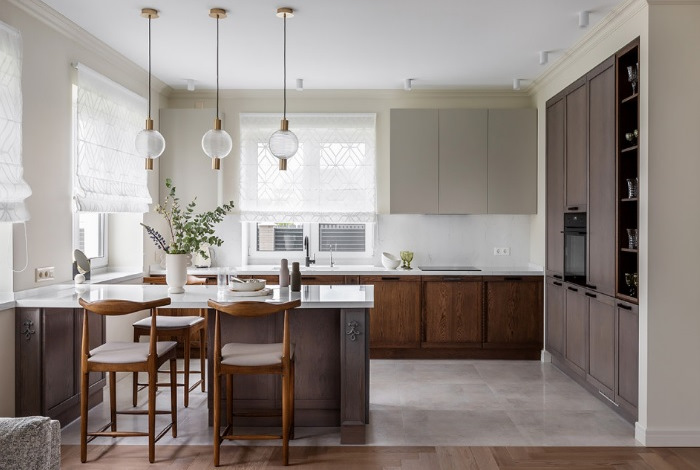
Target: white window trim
{"x": 98, "y": 262}
{"x": 311, "y": 230}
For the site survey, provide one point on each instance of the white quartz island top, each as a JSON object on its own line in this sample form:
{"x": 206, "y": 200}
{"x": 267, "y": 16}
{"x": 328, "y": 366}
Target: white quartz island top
{"x": 66, "y": 296}
{"x": 360, "y": 270}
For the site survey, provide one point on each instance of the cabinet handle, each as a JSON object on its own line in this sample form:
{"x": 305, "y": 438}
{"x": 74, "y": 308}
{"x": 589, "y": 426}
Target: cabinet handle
{"x": 451, "y": 279}
{"x": 557, "y": 276}
{"x": 572, "y": 289}
{"x": 591, "y": 286}
{"x": 573, "y": 208}
{"x": 557, "y": 283}
{"x": 626, "y": 307}
{"x": 389, "y": 278}
{"x": 308, "y": 278}
{"x": 591, "y": 295}
{"x": 512, "y": 278}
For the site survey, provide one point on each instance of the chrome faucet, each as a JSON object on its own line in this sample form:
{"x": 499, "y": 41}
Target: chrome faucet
{"x": 330, "y": 247}
{"x": 308, "y": 261}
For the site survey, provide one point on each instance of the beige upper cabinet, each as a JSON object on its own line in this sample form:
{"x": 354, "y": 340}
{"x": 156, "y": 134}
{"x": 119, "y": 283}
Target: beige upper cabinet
{"x": 463, "y": 161}
{"x": 512, "y": 160}
{"x": 414, "y": 161}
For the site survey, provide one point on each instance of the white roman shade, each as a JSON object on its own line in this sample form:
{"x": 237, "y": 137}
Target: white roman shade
{"x": 13, "y": 189}
{"x": 109, "y": 174}
{"x": 331, "y": 178}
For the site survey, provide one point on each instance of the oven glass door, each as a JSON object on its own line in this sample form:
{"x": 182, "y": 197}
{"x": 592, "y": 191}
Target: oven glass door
{"x": 575, "y": 256}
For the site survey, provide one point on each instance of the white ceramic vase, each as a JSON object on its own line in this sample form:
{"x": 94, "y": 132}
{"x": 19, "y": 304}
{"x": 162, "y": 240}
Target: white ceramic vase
{"x": 176, "y": 272}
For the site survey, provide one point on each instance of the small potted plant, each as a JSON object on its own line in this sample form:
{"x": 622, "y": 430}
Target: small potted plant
{"x": 187, "y": 234}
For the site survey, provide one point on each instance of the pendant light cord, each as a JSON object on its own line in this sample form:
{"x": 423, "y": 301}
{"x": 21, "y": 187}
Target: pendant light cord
{"x": 149, "y": 66}
{"x": 284, "y": 55}
{"x": 217, "y": 66}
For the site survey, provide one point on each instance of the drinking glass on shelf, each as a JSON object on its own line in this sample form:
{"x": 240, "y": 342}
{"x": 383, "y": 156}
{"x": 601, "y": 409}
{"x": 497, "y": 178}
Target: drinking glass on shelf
{"x": 635, "y": 280}
{"x": 632, "y": 76}
{"x": 406, "y": 257}
{"x": 632, "y": 187}
{"x": 629, "y": 280}
{"x": 632, "y": 238}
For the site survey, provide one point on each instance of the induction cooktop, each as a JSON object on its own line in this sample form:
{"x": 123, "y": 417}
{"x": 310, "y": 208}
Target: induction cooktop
{"x": 448, "y": 268}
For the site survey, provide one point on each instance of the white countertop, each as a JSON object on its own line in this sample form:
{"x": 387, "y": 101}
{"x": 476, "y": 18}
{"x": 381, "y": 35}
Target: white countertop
{"x": 361, "y": 270}
{"x": 67, "y": 295}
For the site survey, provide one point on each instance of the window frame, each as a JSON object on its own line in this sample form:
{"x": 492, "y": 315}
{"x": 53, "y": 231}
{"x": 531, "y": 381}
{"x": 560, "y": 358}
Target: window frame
{"x": 103, "y": 233}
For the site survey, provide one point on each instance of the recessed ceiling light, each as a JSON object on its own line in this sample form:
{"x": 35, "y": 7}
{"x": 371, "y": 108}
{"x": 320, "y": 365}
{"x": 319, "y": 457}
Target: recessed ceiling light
{"x": 544, "y": 57}
{"x": 583, "y": 19}
{"x": 407, "y": 84}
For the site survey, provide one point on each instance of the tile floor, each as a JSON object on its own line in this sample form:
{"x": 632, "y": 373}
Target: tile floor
{"x": 433, "y": 402}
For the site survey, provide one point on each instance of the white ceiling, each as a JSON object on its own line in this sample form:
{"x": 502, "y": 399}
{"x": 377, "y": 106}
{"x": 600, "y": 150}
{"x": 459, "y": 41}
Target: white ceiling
{"x": 357, "y": 44}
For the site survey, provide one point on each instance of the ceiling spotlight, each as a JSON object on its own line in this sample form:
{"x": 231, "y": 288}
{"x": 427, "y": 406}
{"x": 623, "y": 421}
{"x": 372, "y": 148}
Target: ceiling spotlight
{"x": 407, "y": 84}
{"x": 300, "y": 84}
{"x": 583, "y": 19}
{"x": 516, "y": 84}
{"x": 544, "y": 57}
{"x": 190, "y": 84}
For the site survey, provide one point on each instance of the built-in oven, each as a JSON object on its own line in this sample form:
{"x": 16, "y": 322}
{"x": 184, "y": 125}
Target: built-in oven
{"x": 575, "y": 247}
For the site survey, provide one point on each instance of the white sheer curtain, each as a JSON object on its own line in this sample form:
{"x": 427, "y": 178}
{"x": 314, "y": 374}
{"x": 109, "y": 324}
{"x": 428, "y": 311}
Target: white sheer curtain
{"x": 13, "y": 189}
{"x": 109, "y": 174}
{"x": 332, "y": 177}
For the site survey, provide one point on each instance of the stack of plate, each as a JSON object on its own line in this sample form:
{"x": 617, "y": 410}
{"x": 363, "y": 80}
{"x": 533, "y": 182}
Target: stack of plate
{"x": 249, "y": 288}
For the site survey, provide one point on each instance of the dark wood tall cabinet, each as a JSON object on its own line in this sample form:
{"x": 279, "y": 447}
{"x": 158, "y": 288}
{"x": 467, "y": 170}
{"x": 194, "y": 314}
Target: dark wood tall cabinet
{"x": 593, "y": 328}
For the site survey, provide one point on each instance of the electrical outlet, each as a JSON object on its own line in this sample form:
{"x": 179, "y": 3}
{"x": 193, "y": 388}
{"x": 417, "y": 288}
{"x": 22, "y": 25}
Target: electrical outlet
{"x": 44, "y": 274}
{"x": 501, "y": 251}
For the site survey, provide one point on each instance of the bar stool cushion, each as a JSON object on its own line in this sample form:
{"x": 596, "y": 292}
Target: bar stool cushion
{"x": 164, "y": 322}
{"x": 244, "y": 354}
{"x": 126, "y": 353}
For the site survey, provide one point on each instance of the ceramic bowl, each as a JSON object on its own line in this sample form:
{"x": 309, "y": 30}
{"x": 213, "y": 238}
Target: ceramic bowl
{"x": 390, "y": 261}
{"x": 248, "y": 285}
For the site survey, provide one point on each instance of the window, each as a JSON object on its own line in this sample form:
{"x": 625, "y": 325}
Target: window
{"x": 327, "y": 194}
{"x": 90, "y": 237}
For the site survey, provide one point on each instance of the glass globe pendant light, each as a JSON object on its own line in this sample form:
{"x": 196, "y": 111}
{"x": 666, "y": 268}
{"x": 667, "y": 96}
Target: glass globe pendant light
{"x": 283, "y": 143}
{"x": 149, "y": 142}
{"x": 217, "y": 143}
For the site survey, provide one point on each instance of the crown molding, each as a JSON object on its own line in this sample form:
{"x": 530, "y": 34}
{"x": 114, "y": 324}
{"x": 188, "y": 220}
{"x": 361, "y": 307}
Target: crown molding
{"x": 611, "y": 23}
{"x": 65, "y": 27}
{"x": 673, "y": 2}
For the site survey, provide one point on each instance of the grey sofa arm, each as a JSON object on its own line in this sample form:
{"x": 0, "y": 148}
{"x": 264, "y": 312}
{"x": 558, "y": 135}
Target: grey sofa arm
{"x": 31, "y": 443}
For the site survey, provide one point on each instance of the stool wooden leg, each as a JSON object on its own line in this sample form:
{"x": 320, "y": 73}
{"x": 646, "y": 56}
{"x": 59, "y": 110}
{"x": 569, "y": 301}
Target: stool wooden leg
{"x": 83, "y": 415}
{"x": 173, "y": 395}
{"x": 229, "y": 401}
{"x": 217, "y": 415}
{"x": 135, "y": 389}
{"x": 202, "y": 356}
{"x": 113, "y": 400}
{"x": 152, "y": 377}
{"x": 291, "y": 400}
{"x": 285, "y": 419}
{"x": 187, "y": 368}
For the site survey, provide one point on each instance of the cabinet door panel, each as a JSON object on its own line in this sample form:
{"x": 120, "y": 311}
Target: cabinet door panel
{"x": 628, "y": 355}
{"x": 555, "y": 188}
{"x": 576, "y": 147}
{"x": 512, "y": 161}
{"x": 556, "y": 317}
{"x": 514, "y": 312}
{"x": 414, "y": 161}
{"x": 601, "y": 179}
{"x": 395, "y": 318}
{"x": 59, "y": 357}
{"x": 601, "y": 368}
{"x": 28, "y": 383}
{"x": 453, "y": 312}
{"x": 463, "y": 161}
{"x": 577, "y": 330}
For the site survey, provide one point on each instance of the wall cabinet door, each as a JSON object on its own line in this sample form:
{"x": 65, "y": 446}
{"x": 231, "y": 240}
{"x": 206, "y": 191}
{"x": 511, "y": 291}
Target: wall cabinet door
{"x": 453, "y": 311}
{"x": 512, "y": 161}
{"x": 601, "y": 343}
{"x": 414, "y": 161}
{"x": 555, "y": 188}
{"x": 628, "y": 356}
{"x": 463, "y": 161}
{"x": 395, "y": 318}
{"x": 577, "y": 329}
{"x": 514, "y": 307}
{"x": 601, "y": 178}
{"x": 555, "y": 295}
{"x": 576, "y": 184}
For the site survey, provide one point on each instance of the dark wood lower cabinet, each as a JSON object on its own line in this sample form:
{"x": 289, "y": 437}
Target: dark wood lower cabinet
{"x": 555, "y": 294}
{"x": 577, "y": 329}
{"x": 601, "y": 343}
{"x": 627, "y": 390}
{"x": 452, "y": 311}
{"x": 514, "y": 313}
{"x": 47, "y": 381}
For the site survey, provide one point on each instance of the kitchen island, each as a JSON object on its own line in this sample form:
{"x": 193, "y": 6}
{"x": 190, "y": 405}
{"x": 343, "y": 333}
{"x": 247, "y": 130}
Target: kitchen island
{"x": 330, "y": 330}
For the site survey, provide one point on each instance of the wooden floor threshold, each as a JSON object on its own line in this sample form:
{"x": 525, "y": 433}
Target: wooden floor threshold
{"x": 386, "y": 458}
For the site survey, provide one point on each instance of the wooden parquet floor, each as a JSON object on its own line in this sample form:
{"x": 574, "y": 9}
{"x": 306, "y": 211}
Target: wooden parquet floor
{"x": 122, "y": 457}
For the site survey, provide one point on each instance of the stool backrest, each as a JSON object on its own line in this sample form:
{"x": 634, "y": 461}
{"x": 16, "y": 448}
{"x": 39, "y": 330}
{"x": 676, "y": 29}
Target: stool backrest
{"x": 252, "y": 309}
{"x": 115, "y": 307}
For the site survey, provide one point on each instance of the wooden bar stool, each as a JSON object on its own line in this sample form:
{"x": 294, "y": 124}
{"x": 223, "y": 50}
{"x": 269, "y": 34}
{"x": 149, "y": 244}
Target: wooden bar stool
{"x": 170, "y": 325}
{"x": 113, "y": 357}
{"x": 244, "y": 358}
